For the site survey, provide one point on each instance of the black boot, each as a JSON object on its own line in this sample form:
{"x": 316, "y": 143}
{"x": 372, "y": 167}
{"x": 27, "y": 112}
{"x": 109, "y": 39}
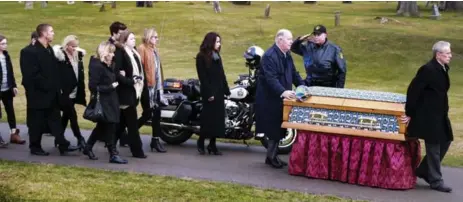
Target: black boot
{"x": 114, "y": 157}
{"x": 89, "y": 152}
{"x": 278, "y": 158}
{"x": 156, "y": 144}
{"x": 81, "y": 142}
{"x": 212, "y": 147}
{"x": 200, "y": 145}
{"x": 271, "y": 155}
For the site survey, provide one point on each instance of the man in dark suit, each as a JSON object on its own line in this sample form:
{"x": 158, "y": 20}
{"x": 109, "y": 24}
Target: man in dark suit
{"x": 41, "y": 81}
{"x": 427, "y": 114}
{"x": 275, "y": 81}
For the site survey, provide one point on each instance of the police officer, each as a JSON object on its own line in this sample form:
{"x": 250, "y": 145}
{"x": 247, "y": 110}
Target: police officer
{"x": 323, "y": 60}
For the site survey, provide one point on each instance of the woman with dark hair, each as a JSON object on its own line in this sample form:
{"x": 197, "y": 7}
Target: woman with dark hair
{"x": 214, "y": 87}
{"x": 131, "y": 78}
{"x": 8, "y": 90}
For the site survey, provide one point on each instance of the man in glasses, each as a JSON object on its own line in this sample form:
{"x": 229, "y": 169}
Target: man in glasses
{"x": 323, "y": 60}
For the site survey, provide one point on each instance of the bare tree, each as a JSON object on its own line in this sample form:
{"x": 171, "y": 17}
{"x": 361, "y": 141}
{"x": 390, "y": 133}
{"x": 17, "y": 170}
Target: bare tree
{"x": 408, "y": 8}
{"x": 453, "y": 6}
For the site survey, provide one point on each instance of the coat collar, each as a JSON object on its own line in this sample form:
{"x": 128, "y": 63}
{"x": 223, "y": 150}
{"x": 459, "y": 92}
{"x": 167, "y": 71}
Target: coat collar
{"x": 280, "y": 52}
{"x": 435, "y": 63}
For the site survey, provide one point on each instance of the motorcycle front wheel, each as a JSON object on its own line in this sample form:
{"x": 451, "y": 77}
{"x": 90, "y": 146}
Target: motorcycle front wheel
{"x": 285, "y": 145}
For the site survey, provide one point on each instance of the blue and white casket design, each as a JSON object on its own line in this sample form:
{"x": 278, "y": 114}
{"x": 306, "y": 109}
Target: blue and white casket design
{"x": 351, "y": 110}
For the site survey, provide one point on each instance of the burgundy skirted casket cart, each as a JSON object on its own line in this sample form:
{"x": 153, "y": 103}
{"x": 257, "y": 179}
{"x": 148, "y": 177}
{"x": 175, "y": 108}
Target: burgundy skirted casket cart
{"x": 352, "y": 136}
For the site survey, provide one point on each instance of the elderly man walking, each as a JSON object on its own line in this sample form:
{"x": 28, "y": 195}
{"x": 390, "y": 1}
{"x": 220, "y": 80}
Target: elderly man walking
{"x": 427, "y": 114}
{"x": 275, "y": 81}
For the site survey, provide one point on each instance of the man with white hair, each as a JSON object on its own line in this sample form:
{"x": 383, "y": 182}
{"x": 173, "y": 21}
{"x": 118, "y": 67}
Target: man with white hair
{"x": 275, "y": 80}
{"x": 427, "y": 114}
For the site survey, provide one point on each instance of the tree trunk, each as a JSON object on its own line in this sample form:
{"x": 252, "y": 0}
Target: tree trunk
{"x": 454, "y": 6}
{"x": 267, "y": 11}
{"x": 408, "y": 8}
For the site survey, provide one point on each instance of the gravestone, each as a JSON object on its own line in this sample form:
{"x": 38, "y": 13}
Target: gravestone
{"x": 267, "y": 11}
{"x": 29, "y": 5}
{"x": 337, "y": 18}
{"x": 435, "y": 12}
{"x": 217, "y": 8}
{"x": 43, "y": 4}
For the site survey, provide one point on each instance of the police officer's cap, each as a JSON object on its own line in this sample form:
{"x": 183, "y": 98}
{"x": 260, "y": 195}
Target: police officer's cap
{"x": 319, "y": 29}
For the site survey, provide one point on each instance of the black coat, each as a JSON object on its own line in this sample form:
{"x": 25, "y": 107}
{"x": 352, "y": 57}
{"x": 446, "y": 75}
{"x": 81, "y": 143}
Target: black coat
{"x": 24, "y": 62}
{"x": 41, "y": 77}
{"x": 277, "y": 75}
{"x": 68, "y": 77}
{"x": 427, "y": 104}
{"x": 126, "y": 90}
{"x": 10, "y": 74}
{"x": 101, "y": 77}
{"x": 213, "y": 83}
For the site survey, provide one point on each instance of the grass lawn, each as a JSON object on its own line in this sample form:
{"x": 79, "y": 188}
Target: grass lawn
{"x": 66, "y": 183}
{"x": 379, "y": 56}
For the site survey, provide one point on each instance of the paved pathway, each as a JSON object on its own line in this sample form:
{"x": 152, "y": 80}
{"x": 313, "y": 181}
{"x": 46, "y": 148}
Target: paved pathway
{"x": 240, "y": 164}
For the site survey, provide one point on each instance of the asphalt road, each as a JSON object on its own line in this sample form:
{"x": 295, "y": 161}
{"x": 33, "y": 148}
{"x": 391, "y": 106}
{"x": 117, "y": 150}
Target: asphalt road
{"x": 239, "y": 164}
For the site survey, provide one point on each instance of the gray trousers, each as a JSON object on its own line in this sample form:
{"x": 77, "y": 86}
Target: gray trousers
{"x": 430, "y": 167}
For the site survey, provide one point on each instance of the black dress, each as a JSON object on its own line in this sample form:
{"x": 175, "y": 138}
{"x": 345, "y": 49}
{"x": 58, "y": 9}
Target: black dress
{"x": 213, "y": 83}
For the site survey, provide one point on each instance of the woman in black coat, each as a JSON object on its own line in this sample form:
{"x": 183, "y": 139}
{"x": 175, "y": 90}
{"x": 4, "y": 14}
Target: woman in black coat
{"x": 214, "y": 88}
{"x": 130, "y": 77}
{"x": 102, "y": 80}
{"x": 71, "y": 68}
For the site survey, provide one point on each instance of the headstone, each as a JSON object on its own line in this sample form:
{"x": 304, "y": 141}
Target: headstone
{"x": 149, "y": 4}
{"x": 70, "y": 2}
{"x": 29, "y": 5}
{"x": 435, "y": 12}
{"x": 217, "y": 8}
{"x": 43, "y": 4}
{"x": 113, "y": 4}
{"x": 337, "y": 18}
{"x": 267, "y": 11}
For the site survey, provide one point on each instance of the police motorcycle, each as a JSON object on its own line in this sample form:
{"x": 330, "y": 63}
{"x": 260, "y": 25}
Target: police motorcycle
{"x": 180, "y": 119}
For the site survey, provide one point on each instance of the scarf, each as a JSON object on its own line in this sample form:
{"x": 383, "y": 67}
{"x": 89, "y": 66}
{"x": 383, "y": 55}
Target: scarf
{"x": 137, "y": 71}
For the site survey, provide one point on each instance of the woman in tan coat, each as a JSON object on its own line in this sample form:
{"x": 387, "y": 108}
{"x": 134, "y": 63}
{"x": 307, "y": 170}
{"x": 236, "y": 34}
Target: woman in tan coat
{"x": 152, "y": 92}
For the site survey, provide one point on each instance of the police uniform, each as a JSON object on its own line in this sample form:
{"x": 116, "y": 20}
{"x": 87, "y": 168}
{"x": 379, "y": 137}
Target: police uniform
{"x": 324, "y": 64}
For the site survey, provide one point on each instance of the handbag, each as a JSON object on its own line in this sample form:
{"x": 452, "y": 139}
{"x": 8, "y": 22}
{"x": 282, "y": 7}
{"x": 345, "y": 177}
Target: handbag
{"x": 94, "y": 111}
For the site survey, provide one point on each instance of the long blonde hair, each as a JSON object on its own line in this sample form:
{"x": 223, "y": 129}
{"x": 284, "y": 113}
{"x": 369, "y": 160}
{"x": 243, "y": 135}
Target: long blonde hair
{"x": 148, "y": 33}
{"x": 104, "y": 49}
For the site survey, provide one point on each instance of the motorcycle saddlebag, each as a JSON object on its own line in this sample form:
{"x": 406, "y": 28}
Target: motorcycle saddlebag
{"x": 183, "y": 112}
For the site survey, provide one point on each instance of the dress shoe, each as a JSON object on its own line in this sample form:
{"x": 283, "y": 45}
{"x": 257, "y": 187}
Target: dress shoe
{"x": 39, "y": 152}
{"x": 140, "y": 156}
{"x": 117, "y": 159}
{"x": 273, "y": 162}
{"x": 214, "y": 151}
{"x": 64, "y": 149}
{"x": 15, "y": 138}
{"x": 442, "y": 188}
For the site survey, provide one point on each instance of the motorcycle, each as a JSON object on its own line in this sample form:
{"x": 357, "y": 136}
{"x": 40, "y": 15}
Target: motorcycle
{"x": 181, "y": 118}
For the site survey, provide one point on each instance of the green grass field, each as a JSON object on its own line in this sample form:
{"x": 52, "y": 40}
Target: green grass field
{"x": 379, "y": 57}
{"x": 66, "y": 183}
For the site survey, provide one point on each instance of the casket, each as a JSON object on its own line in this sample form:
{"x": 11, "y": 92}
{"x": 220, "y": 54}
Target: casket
{"x": 348, "y": 112}
{"x": 353, "y": 136}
